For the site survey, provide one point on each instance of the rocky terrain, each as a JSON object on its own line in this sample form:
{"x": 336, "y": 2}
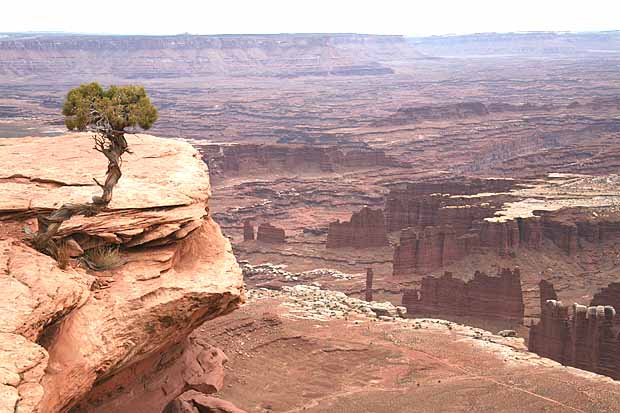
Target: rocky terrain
{"x": 467, "y": 179}
{"x": 74, "y": 340}
{"x": 391, "y": 363}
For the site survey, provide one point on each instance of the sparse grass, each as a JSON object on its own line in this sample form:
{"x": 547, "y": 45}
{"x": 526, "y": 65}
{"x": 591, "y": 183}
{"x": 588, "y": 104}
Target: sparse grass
{"x": 61, "y": 255}
{"x": 103, "y": 258}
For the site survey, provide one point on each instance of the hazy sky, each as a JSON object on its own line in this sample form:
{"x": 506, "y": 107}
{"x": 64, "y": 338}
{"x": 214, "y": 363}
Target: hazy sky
{"x": 303, "y": 16}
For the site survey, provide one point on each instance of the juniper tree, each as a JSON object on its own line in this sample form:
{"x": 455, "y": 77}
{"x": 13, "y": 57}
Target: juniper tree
{"x": 109, "y": 114}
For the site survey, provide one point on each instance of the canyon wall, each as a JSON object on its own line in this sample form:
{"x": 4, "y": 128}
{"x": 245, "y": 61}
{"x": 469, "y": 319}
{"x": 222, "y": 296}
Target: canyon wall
{"x": 430, "y": 249}
{"x": 609, "y": 295}
{"x": 433, "y": 247}
{"x": 455, "y": 111}
{"x": 270, "y": 234}
{"x": 365, "y": 229}
{"x": 568, "y": 227}
{"x": 483, "y": 296}
{"x": 444, "y": 202}
{"x": 580, "y": 336}
{"x": 442, "y": 222}
{"x": 248, "y": 231}
{"x": 291, "y": 55}
{"x": 547, "y": 292}
{"x": 76, "y": 340}
{"x": 243, "y": 159}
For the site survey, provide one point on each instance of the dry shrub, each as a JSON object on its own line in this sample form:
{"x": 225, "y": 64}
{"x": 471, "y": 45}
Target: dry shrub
{"x": 103, "y": 258}
{"x": 61, "y": 255}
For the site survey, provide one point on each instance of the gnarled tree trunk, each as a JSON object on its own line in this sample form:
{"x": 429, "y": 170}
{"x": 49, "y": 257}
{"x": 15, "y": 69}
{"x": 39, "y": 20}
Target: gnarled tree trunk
{"x": 113, "y": 145}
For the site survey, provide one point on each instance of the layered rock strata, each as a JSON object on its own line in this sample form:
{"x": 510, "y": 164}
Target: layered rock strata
{"x": 74, "y": 340}
{"x": 609, "y": 295}
{"x": 568, "y": 228}
{"x": 579, "y": 336}
{"x": 248, "y": 231}
{"x": 442, "y": 222}
{"x": 196, "y": 402}
{"x": 422, "y": 204}
{"x": 483, "y": 297}
{"x": 270, "y": 234}
{"x": 365, "y": 229}
{"x": 547, "y": 292}
{"x": 245, "y": 159}
{"x": 430, "y": 249}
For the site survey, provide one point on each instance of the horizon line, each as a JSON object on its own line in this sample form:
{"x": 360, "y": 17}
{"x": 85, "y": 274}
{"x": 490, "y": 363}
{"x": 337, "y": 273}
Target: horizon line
{"x": 524, "y": 32}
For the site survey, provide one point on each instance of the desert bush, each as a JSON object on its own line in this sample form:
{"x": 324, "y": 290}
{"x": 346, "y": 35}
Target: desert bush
{"x": 61, "y": 255}
{"x": 103, "y": 258}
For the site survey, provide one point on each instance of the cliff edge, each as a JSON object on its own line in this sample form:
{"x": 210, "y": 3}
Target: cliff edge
{"x": 66, "y": 334}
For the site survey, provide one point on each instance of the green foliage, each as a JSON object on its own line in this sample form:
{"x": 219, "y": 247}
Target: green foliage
{"x": 122, "y": 106}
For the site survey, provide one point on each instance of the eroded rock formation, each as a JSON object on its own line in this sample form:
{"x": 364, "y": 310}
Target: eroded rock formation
{"x": 270, "y": 234}
{"x": 73, "y": 338}
{"x": 430, "y": 249}
{"x": 567, "y": 228}
{"x": 248, "y": 231}
{"x": 483, "y": 296}
{"x": 609, "y": 295}
{"x": 196, "y": 402}
{"x": 445, "y": 220}
{"x": 547, "y": 292}
{"x": 418, "y": 204}
{"x": 365, "y": 229}
{"x": 580, "y": 336}
{"x": 245, "y": 159}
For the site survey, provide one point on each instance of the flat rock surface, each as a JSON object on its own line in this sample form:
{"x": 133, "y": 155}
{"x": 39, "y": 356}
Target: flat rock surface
{"x": 46, "y": 172}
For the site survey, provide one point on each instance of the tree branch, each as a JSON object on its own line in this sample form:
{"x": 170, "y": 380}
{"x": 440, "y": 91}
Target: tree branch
{"x": 112, "y": 144}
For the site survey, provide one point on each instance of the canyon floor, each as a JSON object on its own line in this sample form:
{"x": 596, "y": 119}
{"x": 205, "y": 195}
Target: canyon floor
{"x": 475, "y": 176}
{"x": 287, "y": 353}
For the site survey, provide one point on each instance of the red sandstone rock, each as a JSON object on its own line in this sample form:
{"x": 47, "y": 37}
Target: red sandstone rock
{"x": 415, "y": 114}
{"x": 609, "y": 295}
{"x": 246, "y": 159}
{"x": 530, "y": 232}
{"x": 191, "y": 364}
{"x": 369, "y": 277}
{"x": 563, "y": 234}
{"x": 365, "y": 229}
{"x": 567, "y": 227}
{"x": 502, "y": 236}
{"x": 584, "y": 337}
{"x": 430, "y": 249}
{"x": 402, "y": 212}
{"x": 424, "y": 203}
{"x": 63, "y": 337}
{"x": 248, "y": 231}
{"x": 269, "y": 233}
{"x": 483, "y": 296}
{"x": 196, "y": 402}
{"x": 547, "y": 292}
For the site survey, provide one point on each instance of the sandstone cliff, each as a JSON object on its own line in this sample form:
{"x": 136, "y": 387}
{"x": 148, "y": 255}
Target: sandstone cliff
{"x": 270, "y": 234}
{"x": 189, "y": 55}
{"x": 263, "y": 159}
{"x": 365, "y": 229}
{"x": 484, "y": 296}
{"x": 92, "y": 341}
{"x": 580, "y": 336}
{"x": 609, "y": 295}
